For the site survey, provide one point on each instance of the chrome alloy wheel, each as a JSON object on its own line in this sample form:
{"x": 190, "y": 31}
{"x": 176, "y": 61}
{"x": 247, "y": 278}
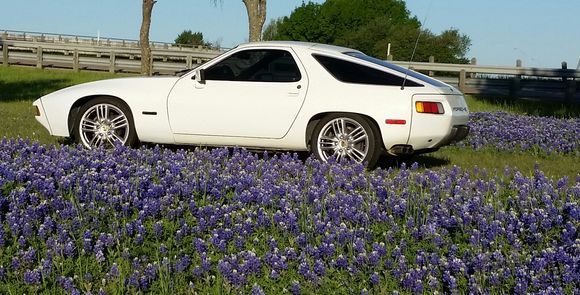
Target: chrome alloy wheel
{"x": 343, "y": 138}
{"x": 104, "y": 125}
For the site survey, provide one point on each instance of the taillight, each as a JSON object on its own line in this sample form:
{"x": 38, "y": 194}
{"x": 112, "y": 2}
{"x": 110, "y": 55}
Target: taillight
{"x": 428, "y": 107}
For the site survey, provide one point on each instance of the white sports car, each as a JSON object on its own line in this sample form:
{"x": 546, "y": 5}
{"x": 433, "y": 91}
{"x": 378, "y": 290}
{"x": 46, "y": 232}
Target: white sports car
{"x": 332, "y": 101}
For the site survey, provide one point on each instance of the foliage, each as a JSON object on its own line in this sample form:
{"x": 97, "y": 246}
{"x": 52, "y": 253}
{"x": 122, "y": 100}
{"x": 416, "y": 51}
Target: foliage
{"x": 369, "y": 26}
{"x": 187, "y": 37}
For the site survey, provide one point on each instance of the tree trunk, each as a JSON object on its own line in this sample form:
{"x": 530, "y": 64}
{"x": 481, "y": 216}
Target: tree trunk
{"x": 144, "y": 37}
{"x": 256, "y": 18}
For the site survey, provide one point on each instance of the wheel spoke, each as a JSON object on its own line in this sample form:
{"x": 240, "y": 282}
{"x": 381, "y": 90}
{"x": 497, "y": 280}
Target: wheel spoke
{"x": 119, "y": 122}
{"x": 338, "y": 126}
{"x": 102, "y": 112}
{"x": 357, "y": 155}
{"x": 358, "y": 134}
{"x": 95, "y": 141}
{"x": 326, "y": 142}
{"x": 116, "y": 138}
{"x": 89, "y": 126}
{"x": 338, "y": 155}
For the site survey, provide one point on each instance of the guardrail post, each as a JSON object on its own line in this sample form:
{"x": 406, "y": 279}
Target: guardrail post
{"x": 473, "y": 62}
{"x": 516, "y": 82}
{"x": 112, "y": 65}
{"x": 39, "y": 57}
{"x": 189, "y": 62}
{"x": 462, "y": 80}
{"x": 5, "y": 49}
{"x": 431, "y": 60}
{"x": 76, "y": 62}
{"x": 569, "y": 85}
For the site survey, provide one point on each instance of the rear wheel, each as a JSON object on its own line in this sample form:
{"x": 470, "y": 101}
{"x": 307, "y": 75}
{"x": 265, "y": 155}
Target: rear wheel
{"x": 106, "y": 122}
{"x": 348, "y": 137}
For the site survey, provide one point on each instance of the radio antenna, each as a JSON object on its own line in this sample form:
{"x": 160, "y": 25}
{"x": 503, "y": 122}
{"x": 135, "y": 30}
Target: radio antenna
{"x": 416, "y": 43}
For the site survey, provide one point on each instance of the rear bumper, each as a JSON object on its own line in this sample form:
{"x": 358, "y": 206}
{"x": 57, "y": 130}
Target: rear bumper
{"x": 458, "y": 132}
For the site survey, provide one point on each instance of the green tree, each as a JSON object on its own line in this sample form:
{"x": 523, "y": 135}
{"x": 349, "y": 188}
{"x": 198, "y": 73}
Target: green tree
{"x": 188, "y": 37}
{"x": 370, "y": 26}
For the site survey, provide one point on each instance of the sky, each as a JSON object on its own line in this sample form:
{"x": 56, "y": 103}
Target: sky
{"x": 541, "y": 33}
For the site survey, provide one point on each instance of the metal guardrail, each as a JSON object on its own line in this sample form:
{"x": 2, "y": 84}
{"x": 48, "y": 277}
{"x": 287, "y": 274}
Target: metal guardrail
{"x": 102, "y": 54}
{"x": 541, "y": 83}
{"x": 118, "y": 55}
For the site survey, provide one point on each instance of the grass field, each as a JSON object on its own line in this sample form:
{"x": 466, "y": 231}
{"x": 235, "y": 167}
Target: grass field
{"x": 20, "y": 86}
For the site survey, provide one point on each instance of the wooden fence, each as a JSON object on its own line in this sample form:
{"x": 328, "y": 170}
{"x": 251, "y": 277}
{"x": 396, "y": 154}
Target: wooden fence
{"x": 118, "y": 55}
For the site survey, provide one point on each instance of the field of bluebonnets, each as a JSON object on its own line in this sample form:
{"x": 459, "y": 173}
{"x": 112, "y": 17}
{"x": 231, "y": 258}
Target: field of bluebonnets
{"x": 228, "y": 221}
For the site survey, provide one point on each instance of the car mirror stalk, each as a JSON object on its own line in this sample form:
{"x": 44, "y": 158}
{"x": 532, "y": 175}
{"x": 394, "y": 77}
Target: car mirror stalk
{"x": 199, "y": 76}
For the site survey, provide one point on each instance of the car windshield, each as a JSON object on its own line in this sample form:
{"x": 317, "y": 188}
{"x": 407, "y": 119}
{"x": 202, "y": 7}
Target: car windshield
{"x": 397, "y": 68}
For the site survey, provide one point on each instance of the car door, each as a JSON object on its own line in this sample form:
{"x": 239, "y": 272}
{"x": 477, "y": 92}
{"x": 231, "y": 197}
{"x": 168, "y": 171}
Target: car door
{"x": 249, "y": 93}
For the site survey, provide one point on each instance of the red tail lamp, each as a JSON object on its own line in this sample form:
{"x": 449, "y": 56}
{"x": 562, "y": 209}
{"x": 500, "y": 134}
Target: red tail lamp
{"x": 428, "y": 107}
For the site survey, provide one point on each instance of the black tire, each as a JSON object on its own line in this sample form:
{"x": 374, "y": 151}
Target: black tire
{"x": 104, "y": 121}
{"x": 349, "y": 136}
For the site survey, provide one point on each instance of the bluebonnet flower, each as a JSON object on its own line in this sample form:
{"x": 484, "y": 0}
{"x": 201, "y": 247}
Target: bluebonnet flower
{"x": 32, "y": 277}
{"x": 114, "y": 272}
{"x": 295, "y": 288}
{"x": 375, "y": 279}
{"x": 256, "y": 290}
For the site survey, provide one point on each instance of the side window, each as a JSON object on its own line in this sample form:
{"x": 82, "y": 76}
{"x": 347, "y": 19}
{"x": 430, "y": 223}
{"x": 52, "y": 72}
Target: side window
{"x": 350, "y": 72}
{"x": 256, "y": 65}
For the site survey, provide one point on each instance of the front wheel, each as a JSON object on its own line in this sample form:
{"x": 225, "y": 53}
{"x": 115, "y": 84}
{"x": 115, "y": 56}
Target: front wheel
{"x": 106, "y": 122}
{"x": 348, "y": 137}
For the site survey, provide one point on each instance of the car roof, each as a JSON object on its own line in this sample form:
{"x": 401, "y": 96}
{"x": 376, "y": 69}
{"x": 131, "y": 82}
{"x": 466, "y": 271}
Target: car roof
{"x": 299, "y": 44}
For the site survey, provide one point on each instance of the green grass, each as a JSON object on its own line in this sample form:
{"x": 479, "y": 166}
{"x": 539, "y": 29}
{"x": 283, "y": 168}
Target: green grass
{"x": 555, "y": 166}
{"x": 521, "y": 106}
{"x": 20, "y": 86}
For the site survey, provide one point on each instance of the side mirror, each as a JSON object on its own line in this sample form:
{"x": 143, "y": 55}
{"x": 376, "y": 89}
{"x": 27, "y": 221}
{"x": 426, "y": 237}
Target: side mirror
{"x": 200, "y": 76}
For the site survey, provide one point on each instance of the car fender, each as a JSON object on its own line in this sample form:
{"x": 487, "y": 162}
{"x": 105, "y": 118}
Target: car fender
{"x": 146, "y": 97}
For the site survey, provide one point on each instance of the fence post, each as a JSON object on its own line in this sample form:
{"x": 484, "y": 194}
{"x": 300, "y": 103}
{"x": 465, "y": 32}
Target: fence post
{"x": 112, "y": 60}
{"x": 517, "y": 81}
{"x": 473, "y": 62}
{"x": 5, "y": 49}
{"x": 76, "y": 62}
{"x": 39, "y": 57}
{"x": 189, "y": 62}
{"x": 462, "y": 80}
{"x": 431, "y": 60}
{"x": 569, "y": 85}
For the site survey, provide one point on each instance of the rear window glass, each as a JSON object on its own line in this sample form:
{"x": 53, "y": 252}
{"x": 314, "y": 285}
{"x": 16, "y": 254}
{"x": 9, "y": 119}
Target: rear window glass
{"x": 350, "y": 72}
{"x": 397, "y": 68}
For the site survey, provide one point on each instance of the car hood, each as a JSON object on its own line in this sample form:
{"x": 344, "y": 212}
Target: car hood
{"x": 119, "y": 87}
